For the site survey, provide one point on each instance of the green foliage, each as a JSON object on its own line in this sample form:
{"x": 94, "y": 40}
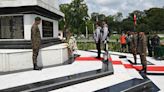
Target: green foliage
{"x": 127, "y": 25}
{"x": 155, "y": 18}
{"x": 113, "y": 46}
{"x": 75, "y": 12}
{"x": 162, "y": 38}
{"x": 90, "y": 26}
{"x": 143, "y": 27}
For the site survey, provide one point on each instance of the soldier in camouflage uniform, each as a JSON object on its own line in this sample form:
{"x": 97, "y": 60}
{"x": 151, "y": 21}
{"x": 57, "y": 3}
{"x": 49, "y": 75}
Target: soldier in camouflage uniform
{"x": 142, "y": 44}
{"x": 36, "y": 42}
{"x": 133, "y": 45}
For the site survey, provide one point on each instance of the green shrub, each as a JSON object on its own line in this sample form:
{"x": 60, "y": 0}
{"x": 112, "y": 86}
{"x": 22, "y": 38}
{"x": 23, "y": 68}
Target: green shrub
{"x": 113, "y": 46}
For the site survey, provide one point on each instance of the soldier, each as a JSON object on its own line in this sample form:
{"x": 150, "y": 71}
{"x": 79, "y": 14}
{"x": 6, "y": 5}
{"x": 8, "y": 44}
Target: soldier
{"x": 149, "y": 44}
{"x": 142, "y": 44}
{"x": 36, "y": 42}
{"x": 134, "y": 46}
{"x": 155, "y": 42}
{"x": 128, "y": 41}
{"x": 72, "y": 44}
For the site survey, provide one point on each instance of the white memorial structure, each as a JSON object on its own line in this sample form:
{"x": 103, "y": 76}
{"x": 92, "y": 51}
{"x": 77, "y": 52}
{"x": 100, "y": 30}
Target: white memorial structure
{"x": 16, "y": 19}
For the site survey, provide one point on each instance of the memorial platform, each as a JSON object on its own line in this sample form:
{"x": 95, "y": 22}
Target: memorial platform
{"x": 12, "y": 60}
{"x": 85, "y": 75}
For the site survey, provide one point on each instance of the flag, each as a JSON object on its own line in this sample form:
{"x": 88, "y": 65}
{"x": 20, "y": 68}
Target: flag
{"x": 135, "y": 19}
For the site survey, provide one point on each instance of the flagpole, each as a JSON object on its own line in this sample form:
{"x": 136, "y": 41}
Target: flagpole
{"x": 135, "y": 22}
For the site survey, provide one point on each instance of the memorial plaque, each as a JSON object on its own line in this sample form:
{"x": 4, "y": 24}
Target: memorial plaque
{"x": 47, "y": 28}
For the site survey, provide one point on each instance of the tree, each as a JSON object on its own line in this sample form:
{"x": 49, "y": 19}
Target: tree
{"x": 65, "y": 22}
{"x": 143, "y": 27}
{"x": 101, "y": 17}
{"x": 155, "y": 18}
{"x": 79, "y": 11}
{"x": 74, "y": 15}
{"x": 94, "y": 16}
{"x": 118, "y": 17}
{"x": 127, "y": 25}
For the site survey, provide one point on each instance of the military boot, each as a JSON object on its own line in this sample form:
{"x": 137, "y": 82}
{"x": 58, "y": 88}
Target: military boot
{"x": 144, "y": 69}
{"x": 36, "y": 67}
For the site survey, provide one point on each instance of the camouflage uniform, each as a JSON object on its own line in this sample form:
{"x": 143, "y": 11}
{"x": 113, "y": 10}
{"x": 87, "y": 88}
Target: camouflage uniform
{"x": 142, "y": 44}
{"x": 133, "y": 45}
{"x": 36, "y": 42}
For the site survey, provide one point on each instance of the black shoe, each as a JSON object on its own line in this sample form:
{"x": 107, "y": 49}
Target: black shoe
{"x": 98, "y": 57}
{"x": 143, "y": 70}
{"x": 135, "y": 63}
{"x": 37, "y": 67}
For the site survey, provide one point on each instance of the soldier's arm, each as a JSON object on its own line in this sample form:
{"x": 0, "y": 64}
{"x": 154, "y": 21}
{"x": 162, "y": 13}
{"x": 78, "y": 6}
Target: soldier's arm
{"x": 144, "y": 45}
{"x": 33, "y": 30}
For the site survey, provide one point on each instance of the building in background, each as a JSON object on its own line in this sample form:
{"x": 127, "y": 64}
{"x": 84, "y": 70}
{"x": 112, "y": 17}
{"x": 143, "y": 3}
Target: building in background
{"x": 17, "y": 17}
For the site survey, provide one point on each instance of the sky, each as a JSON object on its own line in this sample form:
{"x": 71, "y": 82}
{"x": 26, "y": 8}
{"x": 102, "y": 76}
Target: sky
{"x": 111, "y": 7}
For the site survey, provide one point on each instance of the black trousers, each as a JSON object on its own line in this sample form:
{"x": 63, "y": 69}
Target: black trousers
{"x": 150, "y": 52}
{"x": 98, "y": 47}
{"x": 129, "y": 50}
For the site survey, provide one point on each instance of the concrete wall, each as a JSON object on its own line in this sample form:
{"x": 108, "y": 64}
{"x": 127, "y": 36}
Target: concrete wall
{"x": 11, "y": 3}
{"x": 29, "y": 20}
{"x": 15, "y": 3}
{"x": 51, "y": 5}
{"x": 19, "y": 59}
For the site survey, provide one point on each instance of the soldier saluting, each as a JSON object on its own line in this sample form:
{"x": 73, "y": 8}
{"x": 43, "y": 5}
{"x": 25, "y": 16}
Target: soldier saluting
{"x": 36, "y": 42}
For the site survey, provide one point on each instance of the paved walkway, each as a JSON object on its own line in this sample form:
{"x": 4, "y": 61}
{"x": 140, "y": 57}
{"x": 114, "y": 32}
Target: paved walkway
{"x": 123, "y": 66}
{"x": 120, "y": 75}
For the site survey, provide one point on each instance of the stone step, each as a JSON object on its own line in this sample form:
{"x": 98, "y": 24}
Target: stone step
{"x": 124, "y": 80}
{"x": 61, "y": 74}
{"x": 133, "y": 85}
{"x": 96, "y": 84}
{"x": 26, "y": 44}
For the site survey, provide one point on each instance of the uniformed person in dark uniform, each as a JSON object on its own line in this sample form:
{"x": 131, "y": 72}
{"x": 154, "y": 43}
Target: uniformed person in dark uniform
{"x": 155, "y": 42}
{"x": 36, "y": 42}
{"x": 142, "y": 44}
{"x": 133, "y": 45}
{"x": 149, "y": 44}
{"x": 97, "y": 38}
